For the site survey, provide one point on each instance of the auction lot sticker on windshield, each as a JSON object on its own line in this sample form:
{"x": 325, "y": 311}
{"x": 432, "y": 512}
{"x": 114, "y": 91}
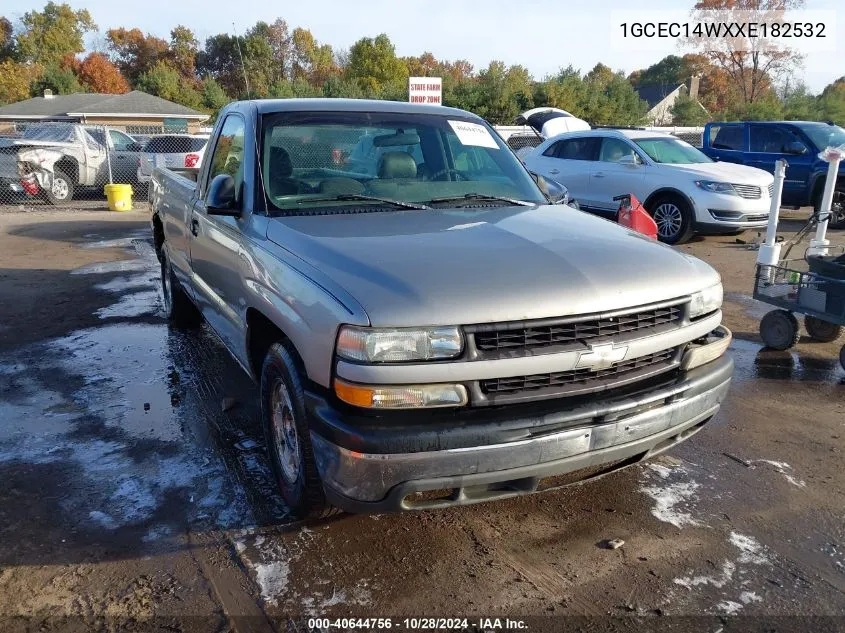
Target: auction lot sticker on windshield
{"x": 473, "y": 134}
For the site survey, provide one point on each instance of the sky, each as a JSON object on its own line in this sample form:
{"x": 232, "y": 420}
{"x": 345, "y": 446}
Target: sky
{"x": 542, "y": 35}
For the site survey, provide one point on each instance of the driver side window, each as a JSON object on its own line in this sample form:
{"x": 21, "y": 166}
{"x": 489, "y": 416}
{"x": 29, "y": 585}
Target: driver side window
{"x": 120, "y": 141}
{"x": 613, "y": 150}
{"x": 228, "y": 153}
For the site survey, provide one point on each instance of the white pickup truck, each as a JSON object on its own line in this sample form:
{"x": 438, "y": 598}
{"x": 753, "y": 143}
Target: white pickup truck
{"x": 54, "y": 159}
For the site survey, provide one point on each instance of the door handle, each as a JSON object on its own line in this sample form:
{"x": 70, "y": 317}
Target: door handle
{"x": 554, "y": 171}
{"x": 195, "y": 227}
{"x": 599, "y": 174}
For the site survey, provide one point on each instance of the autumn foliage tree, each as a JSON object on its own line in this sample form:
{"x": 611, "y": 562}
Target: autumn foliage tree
{"x": 98, "y": 74}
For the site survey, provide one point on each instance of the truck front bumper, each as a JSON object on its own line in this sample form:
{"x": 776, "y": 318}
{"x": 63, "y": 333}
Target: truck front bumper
{"x": 528, "y": 449}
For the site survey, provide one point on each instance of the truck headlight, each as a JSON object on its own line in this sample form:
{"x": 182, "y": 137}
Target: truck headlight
{"x": 716, "y": 187}
{"x": 401, "y": 396}
{"x": 396, "y": 345}
{"x": 706, "y": 301}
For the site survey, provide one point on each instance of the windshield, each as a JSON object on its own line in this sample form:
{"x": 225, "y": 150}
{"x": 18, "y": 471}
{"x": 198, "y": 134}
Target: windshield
{"x": 318, "y": 159}
{"x": 671, "y": 151}
{"x": 56, "y": 133}
{"x": 824, "y": 135}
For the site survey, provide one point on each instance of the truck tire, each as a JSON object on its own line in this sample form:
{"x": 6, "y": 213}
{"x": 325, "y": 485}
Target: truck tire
{"x": 822, "y": 331}
{"x": 178, "y": 307}
{"x": 61, "y": 192}
{"x": 779, "y": 330}
{"x": 674, "y": 218}
{"x": 288, "y": 437}
{"x": 837, "y": 206}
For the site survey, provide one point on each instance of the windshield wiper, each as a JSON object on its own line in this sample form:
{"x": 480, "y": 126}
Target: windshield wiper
{"x": 346, "y": 197}
{"x": 481, "y": 196}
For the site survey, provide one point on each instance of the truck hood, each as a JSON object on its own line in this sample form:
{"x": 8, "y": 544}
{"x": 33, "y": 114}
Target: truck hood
{"x": 727, "y": 172}
{"x": 440, "y": 267}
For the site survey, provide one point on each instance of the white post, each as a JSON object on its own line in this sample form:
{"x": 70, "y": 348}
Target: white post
{"x": 769, "y": 253}
{"x": 108, "y": 154}
{"x": 818, "y": 245}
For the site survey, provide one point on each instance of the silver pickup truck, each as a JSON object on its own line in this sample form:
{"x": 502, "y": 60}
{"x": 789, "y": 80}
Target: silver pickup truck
{"x": 433, "y": 329}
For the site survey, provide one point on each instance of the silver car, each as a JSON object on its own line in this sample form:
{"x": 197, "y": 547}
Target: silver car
{"x": 181, "y": 153}
{"x": 430, "y": 329}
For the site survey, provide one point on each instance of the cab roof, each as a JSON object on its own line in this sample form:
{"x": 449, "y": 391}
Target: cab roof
{"x": 271, "y": 106}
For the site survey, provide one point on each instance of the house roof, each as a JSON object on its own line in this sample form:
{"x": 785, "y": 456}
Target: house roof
{"x": 80, "y": 104}
{"x": 655, "y": 93}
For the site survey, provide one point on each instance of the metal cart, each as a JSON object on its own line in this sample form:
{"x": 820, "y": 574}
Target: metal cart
{"x": 793, "y": 288}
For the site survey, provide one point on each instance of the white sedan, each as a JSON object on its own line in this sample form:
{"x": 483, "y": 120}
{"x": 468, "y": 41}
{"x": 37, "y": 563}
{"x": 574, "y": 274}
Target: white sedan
{"x": 684, "y": 190}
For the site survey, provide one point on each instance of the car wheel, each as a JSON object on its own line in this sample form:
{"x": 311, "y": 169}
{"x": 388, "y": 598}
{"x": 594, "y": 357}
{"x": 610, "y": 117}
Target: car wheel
{"x": 61, "y": 190}
{"x": 673, "y": 217}
{"x": 288, "y": 436}
{"x": 822, "y": 331}
{"x": 837, "y": 206}
{"x": 178, "y": 307}
{"x": 779, "y": 330}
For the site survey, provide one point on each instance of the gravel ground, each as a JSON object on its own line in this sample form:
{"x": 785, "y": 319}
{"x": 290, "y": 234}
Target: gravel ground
{"x": 130, "y": 494}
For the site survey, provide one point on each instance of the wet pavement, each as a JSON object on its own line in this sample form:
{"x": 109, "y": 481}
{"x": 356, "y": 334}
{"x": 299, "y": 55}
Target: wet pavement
{"x": 135, "y": 481}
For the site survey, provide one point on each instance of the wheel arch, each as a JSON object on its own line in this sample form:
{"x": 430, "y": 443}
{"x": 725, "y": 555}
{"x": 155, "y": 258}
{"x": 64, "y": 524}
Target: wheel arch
{"x": 69, "y": 167}
{"x": 261, "y": 333}
{"x": 669, "y": 191}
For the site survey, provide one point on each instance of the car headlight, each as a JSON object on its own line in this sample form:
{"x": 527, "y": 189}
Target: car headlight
{"x": 716, "y": 187}
{"x": 396, "y": 345}
{"x": 706, "y": 301}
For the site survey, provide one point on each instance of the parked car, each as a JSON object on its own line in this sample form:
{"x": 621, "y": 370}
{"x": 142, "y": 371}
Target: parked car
{"x": 181, "y": 153}
{"x": 762, "y": 143}
{"x": 58, "y": 158}
{"x": 431, "y": 339}
{"x": 682, "y": 188}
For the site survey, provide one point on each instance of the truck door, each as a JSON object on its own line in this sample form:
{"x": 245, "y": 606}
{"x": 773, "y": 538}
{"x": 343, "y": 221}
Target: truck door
{"x": 768, "y": 144}
{"x": 124, "y": 161}
{"x": 214, "y": 240}
{"x": 728, "y": 142}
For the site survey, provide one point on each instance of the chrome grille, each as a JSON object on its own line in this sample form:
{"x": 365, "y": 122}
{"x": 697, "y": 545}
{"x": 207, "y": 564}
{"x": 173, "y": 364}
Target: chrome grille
{"x": 771, "y": 190}
{"x": 572, "y": 331}
{"x": 580, "y": 378}
{"x": 752, "y": 192}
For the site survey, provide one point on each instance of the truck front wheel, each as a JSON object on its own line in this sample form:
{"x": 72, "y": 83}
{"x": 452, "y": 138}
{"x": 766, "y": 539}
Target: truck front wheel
{"x": 288, "y": 437}
{"x": 61, "y": 190}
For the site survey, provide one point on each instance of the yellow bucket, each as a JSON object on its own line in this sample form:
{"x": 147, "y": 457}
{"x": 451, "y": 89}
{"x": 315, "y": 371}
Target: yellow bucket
{"x": 119, "y": 197}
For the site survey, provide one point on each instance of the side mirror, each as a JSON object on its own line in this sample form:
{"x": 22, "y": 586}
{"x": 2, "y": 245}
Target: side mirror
{"x": 555, "y": 192}
{"x": 220, "y": 199}
{"x": 629, "y": 160}
{"x": 795, "y": 147}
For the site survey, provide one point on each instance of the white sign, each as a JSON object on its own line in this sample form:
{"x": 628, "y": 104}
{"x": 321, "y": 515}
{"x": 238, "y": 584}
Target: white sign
{"x": 427, "y": 90}
{"x": 473, "y": 134}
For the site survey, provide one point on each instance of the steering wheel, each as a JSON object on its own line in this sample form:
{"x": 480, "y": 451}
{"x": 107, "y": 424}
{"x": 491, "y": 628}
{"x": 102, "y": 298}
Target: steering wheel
{"x": 445, "y": 172}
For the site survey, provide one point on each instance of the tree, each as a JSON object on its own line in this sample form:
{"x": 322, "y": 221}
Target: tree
{"x": 220, "y": 60}
{"x": 213, "y": 95}
{"x": 831, "y": 102}
{"x": 61, "y": 79}
{"x": 183, "y": 51}
{"x": 373, "y": 62}
{"x": 98, "y": 74}
{"x": 7, "y": 39}
{"x": 53, "y": 33}
{"x": 135, "y": 53}
{"x": 687, "y": 111}
{"x": 15, "y": 79}
{"x": 798, "y": 103}
{"x": 503, "y": 92}
{"x": 752, "y": 63}
{"x": 668, "y": 73}
{"x": 164, "y": 81}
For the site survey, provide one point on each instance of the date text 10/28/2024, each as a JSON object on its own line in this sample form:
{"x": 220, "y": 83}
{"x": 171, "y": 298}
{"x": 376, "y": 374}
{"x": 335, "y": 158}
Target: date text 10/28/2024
{"x": 480, "y": 625}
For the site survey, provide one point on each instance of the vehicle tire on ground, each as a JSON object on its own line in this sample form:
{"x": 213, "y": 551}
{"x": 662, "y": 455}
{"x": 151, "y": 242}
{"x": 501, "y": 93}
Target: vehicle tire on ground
{"x": 178, "y": 307}
{"x": 837, "y": 206}
{"x": 288, "y": 437}
{"x": 61, "y": 191}
{"x": 779, "y": 330}
{"x": 822, "y": 331}
{"x": 674, "y": 218}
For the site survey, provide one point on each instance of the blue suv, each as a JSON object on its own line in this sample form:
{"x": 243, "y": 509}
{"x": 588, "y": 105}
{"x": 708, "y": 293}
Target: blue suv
{"x": 762, "y": 143}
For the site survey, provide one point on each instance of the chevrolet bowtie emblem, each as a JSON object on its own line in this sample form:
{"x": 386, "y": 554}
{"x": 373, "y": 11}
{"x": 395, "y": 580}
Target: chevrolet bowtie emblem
{"x": 601, "y": 357}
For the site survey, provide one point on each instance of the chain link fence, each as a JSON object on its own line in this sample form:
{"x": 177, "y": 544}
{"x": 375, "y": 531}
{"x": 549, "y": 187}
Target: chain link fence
{"x": 67, "y": 164}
